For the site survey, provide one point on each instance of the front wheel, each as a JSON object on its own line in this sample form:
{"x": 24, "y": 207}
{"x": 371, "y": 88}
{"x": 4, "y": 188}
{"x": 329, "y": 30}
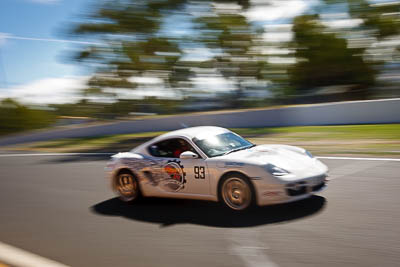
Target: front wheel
{"x": 236, "y": 192}
{"x": 127, "y": 186}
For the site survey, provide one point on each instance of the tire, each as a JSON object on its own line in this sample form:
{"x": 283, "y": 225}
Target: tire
{"x": 236, "y": 192}
{"x": 127, "y": 186}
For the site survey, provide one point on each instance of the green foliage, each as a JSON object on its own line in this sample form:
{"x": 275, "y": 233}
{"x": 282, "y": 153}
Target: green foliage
{"x": 15, "y": 117}
{"x": 131, "y": 42}
{"x": 325, "y": 59}
{"x": 128, "y": 43}
{"x": 233, "y": 37}
{"x": 381, "y": 18}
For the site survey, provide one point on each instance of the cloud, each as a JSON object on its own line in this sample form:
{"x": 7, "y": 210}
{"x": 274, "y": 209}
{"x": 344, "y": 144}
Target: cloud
{"x": 272, "y": 10}
{"x": 278, "y": 33}
{"x": 47, "y": 91}
{"x": 69, "y": 90}
{"x": 281, "y": 60}
{"x": 145, "y": 80}
{"x": 197, "y": 54}
{"x": 276, "y": 51}
{"x": 216, "y": 84}
{"x": 278, "y": 37}
{"x": 343, "y": 23}
{"x": 141, "y": 92}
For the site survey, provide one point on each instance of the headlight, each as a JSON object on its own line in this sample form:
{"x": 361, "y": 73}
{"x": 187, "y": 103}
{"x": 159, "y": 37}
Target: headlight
{"x": 275, "y": 170}
{"x": 308, "y": 153}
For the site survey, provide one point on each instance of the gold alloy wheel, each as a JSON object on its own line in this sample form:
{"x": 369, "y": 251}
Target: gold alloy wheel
{"x": 236, "y": 193}
{"x": 127, "y": 186}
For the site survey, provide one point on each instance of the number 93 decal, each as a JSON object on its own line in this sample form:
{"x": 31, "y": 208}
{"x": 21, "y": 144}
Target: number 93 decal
{"x": 199, "y": 172}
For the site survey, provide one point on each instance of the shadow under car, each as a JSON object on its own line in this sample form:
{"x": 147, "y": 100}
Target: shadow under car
{"x": 175, "y": 211}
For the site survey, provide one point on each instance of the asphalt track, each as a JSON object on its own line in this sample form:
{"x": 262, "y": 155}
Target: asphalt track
{"x": 61, "y": 208}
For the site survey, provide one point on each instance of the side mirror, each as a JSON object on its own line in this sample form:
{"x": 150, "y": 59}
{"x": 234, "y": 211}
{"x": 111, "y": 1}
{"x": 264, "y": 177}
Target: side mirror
{"x": 188, "y": 155}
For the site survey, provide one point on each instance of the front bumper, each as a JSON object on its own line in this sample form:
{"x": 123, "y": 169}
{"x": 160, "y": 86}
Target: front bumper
{"x": 268, "y": 194}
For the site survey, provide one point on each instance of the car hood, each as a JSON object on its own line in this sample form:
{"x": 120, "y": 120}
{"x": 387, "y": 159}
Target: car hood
{"x": 291, "y": 158}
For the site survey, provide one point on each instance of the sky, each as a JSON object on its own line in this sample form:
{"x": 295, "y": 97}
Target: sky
{"x": 23, "y": 60}
{"x": 32, "y": 67}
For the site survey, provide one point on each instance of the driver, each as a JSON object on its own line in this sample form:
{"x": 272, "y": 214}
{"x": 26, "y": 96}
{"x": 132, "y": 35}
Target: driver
{"x": 181, "y": 146}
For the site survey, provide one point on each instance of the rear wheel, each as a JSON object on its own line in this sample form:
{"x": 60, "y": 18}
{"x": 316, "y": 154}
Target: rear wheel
{"x": 127, "y": 186}
{"x": 236, "y": 192}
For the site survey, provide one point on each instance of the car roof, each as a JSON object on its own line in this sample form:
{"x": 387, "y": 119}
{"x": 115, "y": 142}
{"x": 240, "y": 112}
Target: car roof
{"x": 189, "y": 133}
{"x": 192, "y": 132}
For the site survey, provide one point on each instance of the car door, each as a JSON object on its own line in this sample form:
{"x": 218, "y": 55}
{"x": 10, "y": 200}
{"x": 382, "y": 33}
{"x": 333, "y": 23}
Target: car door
{"x": 197, "y": 177}
{"x": 183, "y": 176}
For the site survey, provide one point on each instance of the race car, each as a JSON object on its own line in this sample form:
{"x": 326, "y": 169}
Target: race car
{"x": 216, "y": 164}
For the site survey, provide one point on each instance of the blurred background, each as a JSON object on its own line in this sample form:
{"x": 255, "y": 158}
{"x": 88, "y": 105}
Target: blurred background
{"x": 81, "y": 80}
{"x": 64, "y": 62}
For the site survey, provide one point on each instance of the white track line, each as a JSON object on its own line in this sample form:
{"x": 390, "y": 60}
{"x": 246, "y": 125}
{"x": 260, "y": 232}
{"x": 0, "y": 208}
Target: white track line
{"x": 350, "y": 158}
{"x": 18, "y": 257}
{"x": 247, "y": 246}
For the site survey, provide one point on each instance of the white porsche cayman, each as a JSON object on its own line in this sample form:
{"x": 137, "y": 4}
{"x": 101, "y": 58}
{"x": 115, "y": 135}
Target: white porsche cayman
{"x": 213, "y": 163}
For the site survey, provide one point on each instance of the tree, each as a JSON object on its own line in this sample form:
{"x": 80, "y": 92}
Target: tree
{"x": 228, "y": 33}
{"x": 379, "y": 19}
{"x": 324, "y": 59}
{"x": 127, "y": 43}
{"x": 15, "y": 117}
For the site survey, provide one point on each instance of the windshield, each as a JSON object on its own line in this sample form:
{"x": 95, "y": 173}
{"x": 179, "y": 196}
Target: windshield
{"x": 221, "y": 144}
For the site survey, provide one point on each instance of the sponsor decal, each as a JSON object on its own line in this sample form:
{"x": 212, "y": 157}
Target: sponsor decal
{"x": 234, "y": 164}
{"x": 176, "y": 176}
{"x": 168, "y": 175}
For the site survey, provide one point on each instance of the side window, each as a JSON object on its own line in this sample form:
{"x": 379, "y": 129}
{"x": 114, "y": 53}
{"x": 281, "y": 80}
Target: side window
{"x": 171, "y": 148}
